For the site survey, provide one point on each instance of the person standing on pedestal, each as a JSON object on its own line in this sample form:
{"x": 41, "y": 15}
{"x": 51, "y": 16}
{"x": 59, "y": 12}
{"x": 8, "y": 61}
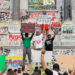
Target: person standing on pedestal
{"x": 49, "y": 42}
{"x": 26, "y": 47}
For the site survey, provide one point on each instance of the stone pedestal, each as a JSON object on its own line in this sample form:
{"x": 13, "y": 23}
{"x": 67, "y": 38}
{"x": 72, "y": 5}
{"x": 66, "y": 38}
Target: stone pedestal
{"x": 73, "y": 11}
{"x": 15, "y": 9}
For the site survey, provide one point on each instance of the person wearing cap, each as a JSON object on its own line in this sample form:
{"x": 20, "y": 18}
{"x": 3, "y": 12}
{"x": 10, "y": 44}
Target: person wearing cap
{"x": 26, "y": 47}
{"x": 56, "y": 67}
{"x": 49, "y": 42}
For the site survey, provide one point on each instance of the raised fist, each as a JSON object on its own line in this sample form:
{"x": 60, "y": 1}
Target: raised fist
{"x": 43, "y": 52}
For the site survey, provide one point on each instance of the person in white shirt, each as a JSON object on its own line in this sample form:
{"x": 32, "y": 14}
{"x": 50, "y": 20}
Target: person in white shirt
{"x": 37, "y": 41}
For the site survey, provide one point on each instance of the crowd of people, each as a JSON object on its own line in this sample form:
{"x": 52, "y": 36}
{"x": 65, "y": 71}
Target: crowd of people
{"x": 37, "y": 71}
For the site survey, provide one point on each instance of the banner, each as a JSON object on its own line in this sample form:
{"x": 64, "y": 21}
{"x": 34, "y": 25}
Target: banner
{"x": 28, "y": 27}
{"x": 44, "y": 19}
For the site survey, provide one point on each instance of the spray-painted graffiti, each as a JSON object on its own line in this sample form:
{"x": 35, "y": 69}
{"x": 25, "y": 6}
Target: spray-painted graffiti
{"x": 35, "y": 15}
{"x": 64, "y": 51}
{"x": 3, "y": 29}
{"x": 14, "y": 63}
{"x": 4, "y": 51}
{"x": 4, "y": 5}
{"x": 4, "y": 16}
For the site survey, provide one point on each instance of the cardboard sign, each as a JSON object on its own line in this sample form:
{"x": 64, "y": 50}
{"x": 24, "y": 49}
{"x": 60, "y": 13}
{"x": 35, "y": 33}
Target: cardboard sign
{"x": 66, "y": 61}
{"x": 28, "y": 27}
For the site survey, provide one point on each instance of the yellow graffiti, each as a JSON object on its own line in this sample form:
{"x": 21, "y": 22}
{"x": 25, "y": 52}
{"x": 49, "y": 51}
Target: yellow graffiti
{"x": 64, "y": 21}
{"x": 4, "y": 23}
{"x": 14, "y": 57}
{"x": 15, "y": 22}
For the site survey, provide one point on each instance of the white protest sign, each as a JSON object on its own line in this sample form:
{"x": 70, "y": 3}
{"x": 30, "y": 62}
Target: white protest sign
{"x": 44, "y": 19}
{"x": 36, "y": 56}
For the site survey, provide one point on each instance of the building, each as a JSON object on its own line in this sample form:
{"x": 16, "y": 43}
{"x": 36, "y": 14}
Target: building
{"x": 73, "y": 11}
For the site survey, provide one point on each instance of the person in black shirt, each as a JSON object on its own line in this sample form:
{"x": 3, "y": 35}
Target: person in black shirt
{"x": 47, "y": 71}
{"x": 49, "y": 42}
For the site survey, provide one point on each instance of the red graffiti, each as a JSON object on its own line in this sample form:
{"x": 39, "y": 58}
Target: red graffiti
{"x": 35, "y": 15}
{"x": 14, "y": 37}
{"x": 14, "y": 61}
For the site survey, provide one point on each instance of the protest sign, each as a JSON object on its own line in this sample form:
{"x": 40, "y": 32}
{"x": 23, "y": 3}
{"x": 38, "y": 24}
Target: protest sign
{"x": 28, "y": 27}
{"x": 66, "y": 61}
{"x": 2, "y": 62}
{"x": 44, "y": 19}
